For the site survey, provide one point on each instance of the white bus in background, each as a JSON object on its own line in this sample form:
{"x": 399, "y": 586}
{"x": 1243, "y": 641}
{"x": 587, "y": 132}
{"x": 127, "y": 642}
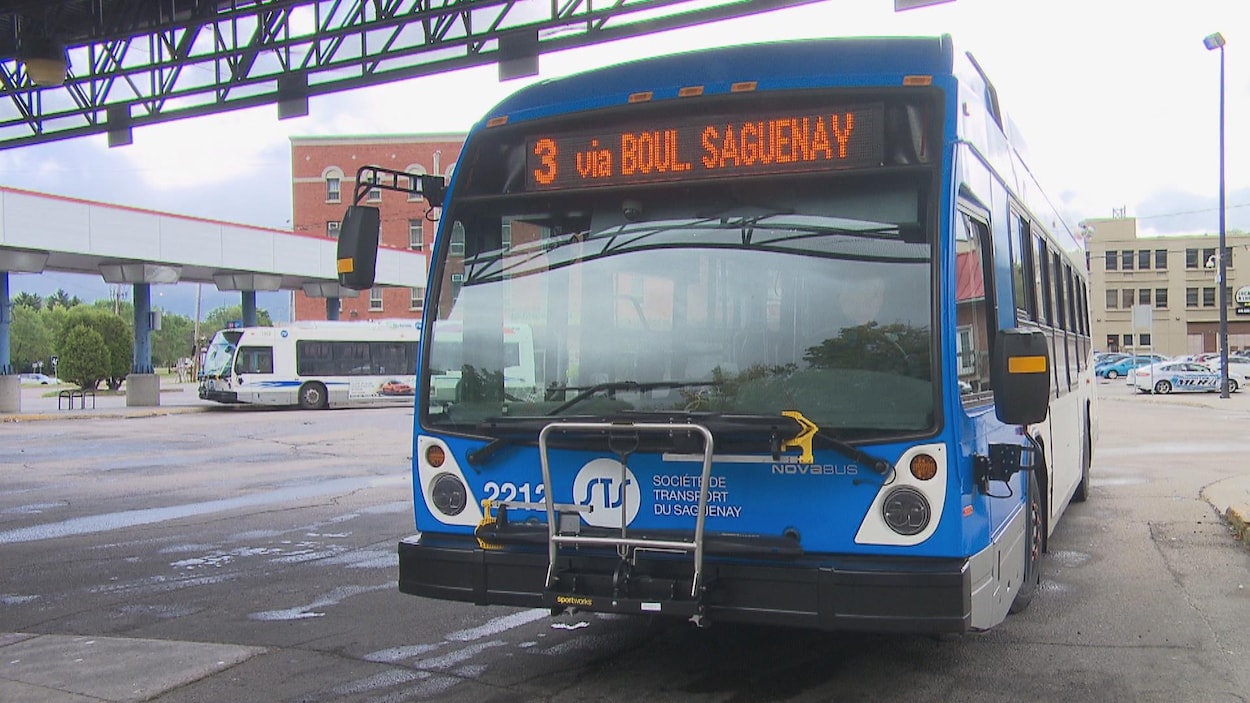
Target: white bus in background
{"x": 447, "y": 357}
{"x": 314, "y": 364}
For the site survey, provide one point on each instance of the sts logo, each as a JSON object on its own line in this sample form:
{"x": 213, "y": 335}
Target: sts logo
{"x": 598, "y": 484}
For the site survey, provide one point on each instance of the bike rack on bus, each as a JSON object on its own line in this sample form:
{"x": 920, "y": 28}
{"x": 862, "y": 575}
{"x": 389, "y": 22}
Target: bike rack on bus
{"x": 623, "y": 542}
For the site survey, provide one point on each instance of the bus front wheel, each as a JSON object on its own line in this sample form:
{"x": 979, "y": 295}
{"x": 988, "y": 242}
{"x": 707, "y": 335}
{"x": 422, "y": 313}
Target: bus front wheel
{"x": 312, "y": 396}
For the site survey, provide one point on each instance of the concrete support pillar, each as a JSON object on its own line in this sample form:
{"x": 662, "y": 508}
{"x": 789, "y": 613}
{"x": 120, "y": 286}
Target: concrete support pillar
{"x": 6, "y": 318}
{"x": 143, "y": 387}
{"x": 10, "y": 383}
{"x": 332, "y": 308}
{"x": 249, "y": 308}
{"x": 143, "y": 330}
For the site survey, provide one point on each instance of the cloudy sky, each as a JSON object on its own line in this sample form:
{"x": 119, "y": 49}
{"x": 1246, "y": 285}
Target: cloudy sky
{"x": 1118, "y": 100}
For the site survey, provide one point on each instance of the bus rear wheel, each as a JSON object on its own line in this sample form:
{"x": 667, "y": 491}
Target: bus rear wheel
{"x": 312, "y": 396}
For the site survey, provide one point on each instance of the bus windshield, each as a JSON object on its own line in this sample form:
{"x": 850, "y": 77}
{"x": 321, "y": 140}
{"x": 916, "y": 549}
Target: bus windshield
{"x": 220, "y": 354}
{"x": 808, "y": 295}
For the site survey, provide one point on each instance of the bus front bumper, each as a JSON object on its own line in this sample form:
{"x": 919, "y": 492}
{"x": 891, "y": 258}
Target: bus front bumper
{"x": 827, "y": 592}
{"x": 219, "y": 396}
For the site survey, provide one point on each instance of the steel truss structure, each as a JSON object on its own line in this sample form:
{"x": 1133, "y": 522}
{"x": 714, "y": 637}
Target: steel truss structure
{"x": 139, "y": 62}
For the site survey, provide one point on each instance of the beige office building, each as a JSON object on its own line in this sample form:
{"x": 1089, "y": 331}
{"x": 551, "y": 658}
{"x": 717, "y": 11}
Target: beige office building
{"x": 1160, "y": 293}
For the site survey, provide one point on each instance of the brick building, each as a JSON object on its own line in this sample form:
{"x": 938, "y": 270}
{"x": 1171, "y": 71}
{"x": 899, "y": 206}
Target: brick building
{"x": 323, "y": 182}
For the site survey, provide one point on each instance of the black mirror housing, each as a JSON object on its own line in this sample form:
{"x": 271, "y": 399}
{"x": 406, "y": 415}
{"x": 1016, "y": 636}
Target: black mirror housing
{"x": 357, "y": 260}
{"x": 1020, "y": 375}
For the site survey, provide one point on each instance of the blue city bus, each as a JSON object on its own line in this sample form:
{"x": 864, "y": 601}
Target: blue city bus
{"x": 804, "y": 344}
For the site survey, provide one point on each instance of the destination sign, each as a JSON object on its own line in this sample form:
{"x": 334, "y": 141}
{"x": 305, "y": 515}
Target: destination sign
{"x": 775, "y": 142}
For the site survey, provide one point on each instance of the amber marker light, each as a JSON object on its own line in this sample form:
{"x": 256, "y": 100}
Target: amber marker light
{"x": 690, "y": 91}
{"x": 917, "y": 80}
{"x": 923, "y": 467}
{"x": 435, "y": 456}
{"x": 497, "y": 121}
{"x": 640, "y": 97}
{"x": 743, "y": 87}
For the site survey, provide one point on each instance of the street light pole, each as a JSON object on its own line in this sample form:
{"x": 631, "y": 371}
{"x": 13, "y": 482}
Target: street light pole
{"x": 1212, "y": 42}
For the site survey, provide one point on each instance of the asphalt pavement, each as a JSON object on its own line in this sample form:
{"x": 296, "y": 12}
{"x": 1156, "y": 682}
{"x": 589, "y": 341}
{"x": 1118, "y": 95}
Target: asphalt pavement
{"x": 40, "y": 668}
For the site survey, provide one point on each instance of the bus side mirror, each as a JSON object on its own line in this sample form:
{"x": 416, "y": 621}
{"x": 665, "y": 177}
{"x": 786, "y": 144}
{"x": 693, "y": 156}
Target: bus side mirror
{"x": 1020, "y": 375}
{"x": 357, "y": 260}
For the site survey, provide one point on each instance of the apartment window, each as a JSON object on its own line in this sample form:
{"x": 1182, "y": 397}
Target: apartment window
{"x": 966, "y": 354}
{"x": 1191, "y": 258}
{"x": 416, "y": 299}
{"x": 1128, "y": 340}
{"x": 1113, "y": 299}
{"x": 1228, "y": 257}
{"x": 375, "y": 194}
{"x": 1161, "y": 297}
{"x": 416, "y": 235}
{"x": 1128, "y": 295}
{"x": 1113, "y": 261}
{"x": 1143, "y": 259}
{"x": 1161, "y": 259}
{"x": 1144, "y": 339}
{"x": 1191, "y": 297}
{"x": 375, "y": 298}
{"x": 1126, "y": 260}
{"x": 1208, "y": 258}
{"x": 506, "y": 235}
{"x": 1208, "y": 297}
{"x": 333, "y": 190}
{"x": 332, "y": 229}
{"x": 457, "y": 280}
{"x": 1143, "y": 296}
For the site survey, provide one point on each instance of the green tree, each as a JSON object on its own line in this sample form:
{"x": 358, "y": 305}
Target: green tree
{"x": 28, "y": 300}
{"x": 84, "y": 357}
{"x": 219, "y": 318}
{"x": 116, "y": 333}
{"x": 896, "y": 348}
{"x": 54, "y": 320}
{"x": 172, "y": 340}
{"x": 30, "y": 340}
{"x": 62, "y": 299}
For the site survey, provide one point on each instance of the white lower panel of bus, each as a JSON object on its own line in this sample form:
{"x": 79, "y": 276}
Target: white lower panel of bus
{"x": 997, "y": 573}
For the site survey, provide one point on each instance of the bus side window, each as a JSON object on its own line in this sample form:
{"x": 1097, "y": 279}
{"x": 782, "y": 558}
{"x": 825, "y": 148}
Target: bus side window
{"x": 254, "y": 360}
{"x": 974, "y": 315}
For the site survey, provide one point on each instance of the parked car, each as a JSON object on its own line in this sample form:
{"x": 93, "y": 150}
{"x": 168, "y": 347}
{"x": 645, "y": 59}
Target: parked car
{"x": 1237, "y": 369}
{"x": 1179, "y": 377}
{"x": 1120, "y": 369}
{"x": 39, "y": 378}
{"x": 1108, "y": 357}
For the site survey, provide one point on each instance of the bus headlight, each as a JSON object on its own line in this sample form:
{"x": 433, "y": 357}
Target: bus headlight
{"x": 906, "y": 510}
{"x": 449, "y": 494}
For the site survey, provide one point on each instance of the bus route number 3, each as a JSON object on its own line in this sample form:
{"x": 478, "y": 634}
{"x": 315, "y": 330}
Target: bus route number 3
{"x": 546, "y": 151}
{"x": 508, "y": 491}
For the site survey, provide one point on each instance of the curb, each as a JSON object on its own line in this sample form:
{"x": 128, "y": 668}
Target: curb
{"x": 102, "y": 414}
{"x": 1241, "y": 529}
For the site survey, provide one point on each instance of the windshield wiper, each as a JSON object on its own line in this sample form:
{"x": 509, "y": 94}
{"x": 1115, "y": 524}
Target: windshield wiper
{"x": 878, "y": 465}
{"x": 624, "y": 386}
{"x": 521, "y": 430}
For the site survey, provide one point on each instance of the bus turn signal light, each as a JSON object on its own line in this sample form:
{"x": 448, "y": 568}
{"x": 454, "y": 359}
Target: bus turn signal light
{"x": 435, "y": 456}
{"x": 923, "y": 467}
